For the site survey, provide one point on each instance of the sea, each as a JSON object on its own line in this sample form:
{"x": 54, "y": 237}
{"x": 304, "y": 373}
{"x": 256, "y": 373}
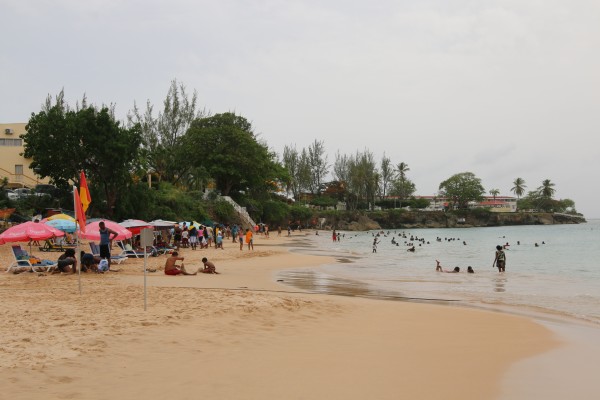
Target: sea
{"x": 551, "y": 270}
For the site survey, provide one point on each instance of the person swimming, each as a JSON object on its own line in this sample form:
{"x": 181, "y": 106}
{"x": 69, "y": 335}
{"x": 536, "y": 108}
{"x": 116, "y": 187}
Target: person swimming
{"x": 470, "y": 270}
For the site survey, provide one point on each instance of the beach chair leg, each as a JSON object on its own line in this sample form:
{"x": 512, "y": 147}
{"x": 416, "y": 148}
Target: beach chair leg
{"x": 37, "y": 269}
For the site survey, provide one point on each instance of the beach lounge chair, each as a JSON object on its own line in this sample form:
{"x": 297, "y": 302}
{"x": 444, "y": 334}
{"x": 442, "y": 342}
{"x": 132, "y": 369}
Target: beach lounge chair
{"x": 95, "y": 249}
{"x": 23, "y": 259}
{"x": 128, "y": 251}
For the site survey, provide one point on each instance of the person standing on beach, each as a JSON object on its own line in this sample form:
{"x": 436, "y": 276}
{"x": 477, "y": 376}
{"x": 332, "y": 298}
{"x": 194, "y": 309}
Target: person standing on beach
{"x": 334, "y": 236}
{"x": 500, "y": 259}
{"x": 193, "y": 237}
{"x": 249, "y": 240}
{"x": 105, "y": 239}
{"x": 177, "y": 237}
{"x": 241, "y": 238}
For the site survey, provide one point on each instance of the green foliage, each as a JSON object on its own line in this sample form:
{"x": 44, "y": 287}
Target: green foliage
{"x": 163, "y": 145}
{"x": 462, "y": 188}
{"x": 300, "y": 214}
{"x": 231, "y": 155}
{"x": 538, "y": 201}
{"x": 519, "y": 187}
{"x": 62, "y": 142}
{"x": 275, "y": 212}
{"x": 547, "y": 189}
{"x": 223, "y": 211}
{"x": 323, "y": 201}
{"x": 420, "y": 203}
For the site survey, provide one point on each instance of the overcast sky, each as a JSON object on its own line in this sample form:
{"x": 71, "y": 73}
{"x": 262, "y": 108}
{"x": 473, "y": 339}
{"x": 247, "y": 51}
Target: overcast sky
{"x": 503, "y": 89}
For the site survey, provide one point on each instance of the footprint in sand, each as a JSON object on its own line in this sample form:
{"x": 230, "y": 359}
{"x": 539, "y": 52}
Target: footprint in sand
{"x": 64, "y": 379}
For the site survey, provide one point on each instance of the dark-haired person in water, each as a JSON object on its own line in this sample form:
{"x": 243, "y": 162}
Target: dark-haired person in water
{"x": 500, "y": 259}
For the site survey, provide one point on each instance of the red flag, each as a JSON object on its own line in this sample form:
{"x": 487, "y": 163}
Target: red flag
{"x": 84, "y": 192}
{"x": 79, "y": 213}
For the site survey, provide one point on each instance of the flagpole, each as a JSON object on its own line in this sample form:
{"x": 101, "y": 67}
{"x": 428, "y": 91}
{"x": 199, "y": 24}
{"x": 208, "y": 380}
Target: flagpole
{"x": 77, "y": 254}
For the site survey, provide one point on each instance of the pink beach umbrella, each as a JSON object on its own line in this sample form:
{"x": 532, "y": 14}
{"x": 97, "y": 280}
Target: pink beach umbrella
{"x": 92, "y": 230}
{"x": 29, "y": 231}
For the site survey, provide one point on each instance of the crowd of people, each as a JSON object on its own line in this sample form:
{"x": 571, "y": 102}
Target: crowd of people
{"x": 169, "y": 241}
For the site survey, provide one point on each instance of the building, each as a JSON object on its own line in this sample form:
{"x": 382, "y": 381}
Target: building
{"x": 494, "y": 204}
{"x": 13, "y": 165}
{"x": 497, "y": 204}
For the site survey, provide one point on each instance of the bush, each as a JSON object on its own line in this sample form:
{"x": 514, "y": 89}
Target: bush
{"x": 223, "y": 211}
{"x": 275, "y": 212}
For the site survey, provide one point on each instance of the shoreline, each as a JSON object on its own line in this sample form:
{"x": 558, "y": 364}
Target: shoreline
{"x": 422, "y": 341}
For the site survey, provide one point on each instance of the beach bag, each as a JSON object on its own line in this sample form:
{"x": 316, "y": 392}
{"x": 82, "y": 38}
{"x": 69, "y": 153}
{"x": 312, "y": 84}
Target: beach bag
{"x": 103, "y": 265}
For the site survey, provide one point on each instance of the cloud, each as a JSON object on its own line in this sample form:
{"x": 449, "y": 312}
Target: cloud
{"x": 500, "y": 88}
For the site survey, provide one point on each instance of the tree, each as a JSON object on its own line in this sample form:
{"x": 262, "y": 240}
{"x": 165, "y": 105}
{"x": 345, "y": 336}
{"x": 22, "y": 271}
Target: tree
{"x": 163, "y": 144}
{"x": 298, "y": 170}
{"x": 232, "y": 155}
{"x": 519, "y": 187}
{"x": 402, "y": 170}
{"x": 363, "y": 179}
{"x": 317, "y": 161}
{"x": 61, "y": 142}
{"x": 387, "y": 174}
{"x": 291, "y": 162}
{"x": 494, "y": 193}
{"x": 547, "y": 189}
{"x": 403, "y": 189}
{"x": 462, "y": 188}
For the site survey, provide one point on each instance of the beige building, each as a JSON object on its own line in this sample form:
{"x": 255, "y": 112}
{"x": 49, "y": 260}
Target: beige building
{"x": 13, "y": 165}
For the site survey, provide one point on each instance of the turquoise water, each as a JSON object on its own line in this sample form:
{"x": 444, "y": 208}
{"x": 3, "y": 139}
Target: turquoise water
{"x": 561, "y": 275}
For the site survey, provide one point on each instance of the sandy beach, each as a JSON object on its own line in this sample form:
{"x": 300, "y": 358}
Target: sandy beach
{"x": 243, "y": 335}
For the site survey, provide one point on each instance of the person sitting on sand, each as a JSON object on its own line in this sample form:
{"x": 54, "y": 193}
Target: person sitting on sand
{"x": 209, "y": 267}
{"x": 89, "y": 261}
{"x": 171, "y": 267}
{"x": 67, "y": 262}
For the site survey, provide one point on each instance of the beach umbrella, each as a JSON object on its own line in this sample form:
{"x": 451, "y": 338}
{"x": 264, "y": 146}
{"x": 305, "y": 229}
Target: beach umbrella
{"x": 29, "y": 231}
{"x": 60, "y": 216}
{"x": 92, "y": 231}
{"x": 63, "y": 225}
{"x": 160, "y": 224}
{"x": 135, "y": 225}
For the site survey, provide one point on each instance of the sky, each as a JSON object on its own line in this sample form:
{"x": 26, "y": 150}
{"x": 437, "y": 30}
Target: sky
{"x": 500, "y": 88}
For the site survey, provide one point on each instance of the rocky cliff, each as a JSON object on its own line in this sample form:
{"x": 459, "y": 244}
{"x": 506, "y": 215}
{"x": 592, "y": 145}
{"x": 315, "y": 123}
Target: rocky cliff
{"x": 397, "y": 219}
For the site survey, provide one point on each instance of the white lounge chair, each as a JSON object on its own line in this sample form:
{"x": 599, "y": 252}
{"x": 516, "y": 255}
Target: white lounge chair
{"x": 23, "y": 259}
{"x": 113, "y": 258}
{"x": 128, "y": 251}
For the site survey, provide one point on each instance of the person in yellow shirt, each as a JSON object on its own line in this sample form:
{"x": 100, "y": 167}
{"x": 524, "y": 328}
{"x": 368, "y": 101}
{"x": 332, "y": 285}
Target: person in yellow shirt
{"x": 249, "y": 240}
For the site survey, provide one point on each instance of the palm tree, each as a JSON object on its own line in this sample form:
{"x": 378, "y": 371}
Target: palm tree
{"x": 547, "y": 189}
{"x": 402, "y": 170}
{"x": 494, "y": 193}
{"x": 519, "y": 188}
